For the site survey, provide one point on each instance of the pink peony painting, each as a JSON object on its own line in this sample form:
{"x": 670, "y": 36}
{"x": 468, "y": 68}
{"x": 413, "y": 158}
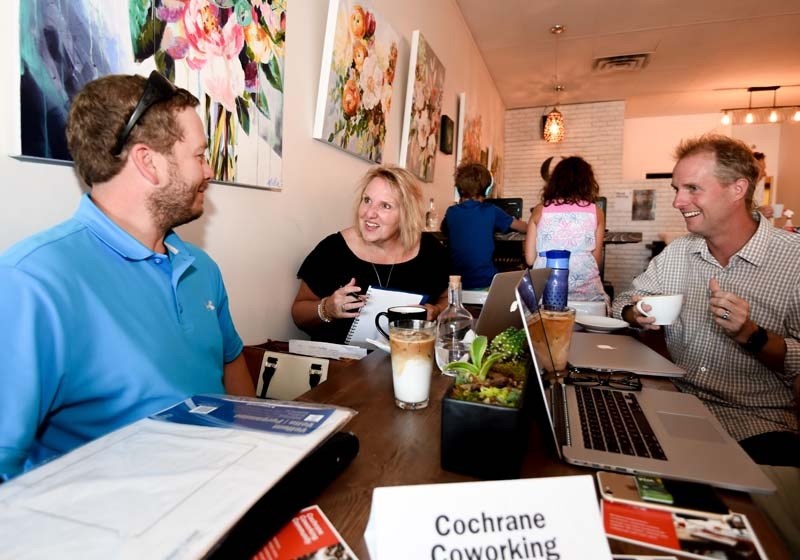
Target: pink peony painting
{"x": 233, "y": 50}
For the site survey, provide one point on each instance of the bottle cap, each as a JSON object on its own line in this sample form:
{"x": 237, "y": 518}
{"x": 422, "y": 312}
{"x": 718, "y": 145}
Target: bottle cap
{"x": 557, "y": 258}
{"x": 455, "y": 279}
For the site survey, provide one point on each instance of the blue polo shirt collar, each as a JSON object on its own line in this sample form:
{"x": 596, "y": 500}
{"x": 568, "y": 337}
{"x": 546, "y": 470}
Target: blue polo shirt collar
{"x": 124, "y": 243}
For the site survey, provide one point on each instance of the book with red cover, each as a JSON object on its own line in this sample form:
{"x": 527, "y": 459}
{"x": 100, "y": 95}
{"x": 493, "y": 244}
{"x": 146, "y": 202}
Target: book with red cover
{"x": 694, "y": 536}
{"x": 308, "y": 535}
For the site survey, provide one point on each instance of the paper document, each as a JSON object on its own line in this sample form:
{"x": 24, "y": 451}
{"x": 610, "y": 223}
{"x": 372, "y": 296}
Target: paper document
{"x": 269, "y": 416}
{"x": 326, "y": 349}
{"x": 377, "y": 300}
{"x": 156, "y": 489}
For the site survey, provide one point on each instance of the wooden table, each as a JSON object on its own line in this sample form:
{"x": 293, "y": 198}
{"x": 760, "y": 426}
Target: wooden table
{"x": 400, "y": 447}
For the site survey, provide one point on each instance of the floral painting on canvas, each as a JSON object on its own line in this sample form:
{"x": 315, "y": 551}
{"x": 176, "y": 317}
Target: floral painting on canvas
{"x": 423, "y": 107}
{"x": 229, "y": 53}
{"x": 355, "y": 88}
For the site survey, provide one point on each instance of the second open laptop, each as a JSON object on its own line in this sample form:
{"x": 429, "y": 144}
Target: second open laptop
{"x": 613, "y": 352}
{"x": 499, "y": 311}
{"x": 662, "y": 433}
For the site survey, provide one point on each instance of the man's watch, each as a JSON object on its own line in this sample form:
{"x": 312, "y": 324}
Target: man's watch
{"x": 757, "y": 341}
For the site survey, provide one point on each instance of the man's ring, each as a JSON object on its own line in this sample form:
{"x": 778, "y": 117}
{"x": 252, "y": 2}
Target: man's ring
{"x": 726, "y": 315}
{"x": 344, "y": 311}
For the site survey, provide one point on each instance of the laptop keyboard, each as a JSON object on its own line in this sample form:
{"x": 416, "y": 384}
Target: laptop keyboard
{"x": 613, "y": 421}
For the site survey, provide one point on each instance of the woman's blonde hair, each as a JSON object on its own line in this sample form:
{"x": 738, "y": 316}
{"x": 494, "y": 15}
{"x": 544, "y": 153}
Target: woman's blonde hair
{"x": 409, "y": 196}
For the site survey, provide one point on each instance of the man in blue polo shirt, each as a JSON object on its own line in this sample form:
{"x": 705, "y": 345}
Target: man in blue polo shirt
{"x": 470, "y": 227}
{"x": 110, "y": 316}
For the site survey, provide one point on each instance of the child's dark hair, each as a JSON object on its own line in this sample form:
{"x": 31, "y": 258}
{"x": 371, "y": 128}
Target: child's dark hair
{"x": 472, "y": 179}
{"x": 571, "y": 182}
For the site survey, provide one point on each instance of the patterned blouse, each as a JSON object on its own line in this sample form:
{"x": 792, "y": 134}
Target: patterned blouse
{"x": 572, "y": 227}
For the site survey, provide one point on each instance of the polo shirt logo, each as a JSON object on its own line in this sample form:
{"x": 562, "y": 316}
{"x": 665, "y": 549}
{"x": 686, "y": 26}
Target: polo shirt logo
{"x": 210, "y": 305}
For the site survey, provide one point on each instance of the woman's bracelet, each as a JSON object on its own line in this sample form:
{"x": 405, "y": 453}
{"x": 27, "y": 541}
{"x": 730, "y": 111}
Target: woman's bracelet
{"x": 324, "y": 317}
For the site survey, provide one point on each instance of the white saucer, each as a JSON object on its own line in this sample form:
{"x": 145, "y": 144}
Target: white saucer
{"x": 599, "y": 324}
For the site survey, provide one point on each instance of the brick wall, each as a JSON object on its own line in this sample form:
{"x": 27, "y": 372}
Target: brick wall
{"x": 594, "y": 131}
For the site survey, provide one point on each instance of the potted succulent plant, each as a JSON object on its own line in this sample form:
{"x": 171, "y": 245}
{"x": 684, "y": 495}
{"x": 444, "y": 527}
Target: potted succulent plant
{"x": 484, "y": 421}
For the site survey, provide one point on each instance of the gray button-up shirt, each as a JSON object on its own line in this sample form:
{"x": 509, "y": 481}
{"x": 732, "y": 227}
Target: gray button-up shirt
{"x": 747, "y": 397}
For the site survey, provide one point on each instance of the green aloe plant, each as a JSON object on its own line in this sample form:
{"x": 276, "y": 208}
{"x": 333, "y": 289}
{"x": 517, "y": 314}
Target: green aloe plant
{"x": 478, "y": 366}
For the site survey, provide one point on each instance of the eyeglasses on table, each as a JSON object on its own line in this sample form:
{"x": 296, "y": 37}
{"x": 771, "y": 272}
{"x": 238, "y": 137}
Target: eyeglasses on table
{"x": 614, "y": 379}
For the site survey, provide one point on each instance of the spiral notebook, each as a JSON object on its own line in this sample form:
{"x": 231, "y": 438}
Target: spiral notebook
{"x": 378, "y": 300}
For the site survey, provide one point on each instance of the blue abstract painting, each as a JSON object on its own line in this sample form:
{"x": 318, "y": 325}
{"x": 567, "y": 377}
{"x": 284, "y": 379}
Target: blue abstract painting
{"x": 229, "y": 53}
{"x": 63, "y": 45}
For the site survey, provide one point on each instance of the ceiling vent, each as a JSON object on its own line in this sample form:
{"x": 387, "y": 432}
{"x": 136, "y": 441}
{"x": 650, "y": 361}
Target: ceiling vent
{"x": 621, "y": 63}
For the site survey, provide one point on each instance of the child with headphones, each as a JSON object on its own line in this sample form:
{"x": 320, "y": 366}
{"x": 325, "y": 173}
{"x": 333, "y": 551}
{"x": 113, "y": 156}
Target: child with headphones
{"x": 470, "y": 227}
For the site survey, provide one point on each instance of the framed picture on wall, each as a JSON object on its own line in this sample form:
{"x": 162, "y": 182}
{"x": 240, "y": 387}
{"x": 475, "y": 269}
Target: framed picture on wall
{"x": 420, "y": 138}
{"x": 447, "y": 129}
{"x": 239, "y": 82}
{"x": 462, "y": 117}
{"x": 359, "y": 60}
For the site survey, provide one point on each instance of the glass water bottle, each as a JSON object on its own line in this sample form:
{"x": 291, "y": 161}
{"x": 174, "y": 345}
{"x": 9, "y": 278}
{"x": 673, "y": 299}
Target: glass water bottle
{"x": 431, "y": 218}
{"x": 454, "y": 329}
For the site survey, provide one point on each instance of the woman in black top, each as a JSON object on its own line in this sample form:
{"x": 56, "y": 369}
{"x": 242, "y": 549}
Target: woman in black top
{"x": 385, "y": 248}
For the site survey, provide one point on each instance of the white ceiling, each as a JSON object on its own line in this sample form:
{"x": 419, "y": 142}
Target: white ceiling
{"x": 704, "y": 53}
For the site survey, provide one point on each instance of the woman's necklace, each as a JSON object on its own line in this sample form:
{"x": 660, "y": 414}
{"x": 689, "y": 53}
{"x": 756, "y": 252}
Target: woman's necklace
{"x": 378, "y": 276}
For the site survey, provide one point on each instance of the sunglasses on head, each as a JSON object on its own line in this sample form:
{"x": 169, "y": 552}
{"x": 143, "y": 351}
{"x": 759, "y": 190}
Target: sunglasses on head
{"x": 156, "y": 89}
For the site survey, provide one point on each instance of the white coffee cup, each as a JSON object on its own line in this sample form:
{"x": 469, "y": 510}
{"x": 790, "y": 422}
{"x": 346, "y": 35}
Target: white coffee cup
{"x": 664, "y": 308}
{"x": 777, "y": 210}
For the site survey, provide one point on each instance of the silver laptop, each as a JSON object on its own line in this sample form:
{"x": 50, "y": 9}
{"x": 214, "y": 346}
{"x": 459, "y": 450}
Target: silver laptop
{"x": 691, "y": 444}
{"x": 499, "y": 311}
{"x": 613, "y": 352}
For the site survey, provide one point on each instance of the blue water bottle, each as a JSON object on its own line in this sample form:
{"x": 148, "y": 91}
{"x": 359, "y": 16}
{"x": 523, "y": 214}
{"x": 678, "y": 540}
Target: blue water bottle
{"x": 557, "y": 287}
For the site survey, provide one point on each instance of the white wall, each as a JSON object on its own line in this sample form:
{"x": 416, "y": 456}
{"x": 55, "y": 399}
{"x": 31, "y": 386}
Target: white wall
{"x": 765, "y": 138}
{"x": 260, "y": 237}
{"x": 788, "y": 167}
{"x": 650, "y": 142}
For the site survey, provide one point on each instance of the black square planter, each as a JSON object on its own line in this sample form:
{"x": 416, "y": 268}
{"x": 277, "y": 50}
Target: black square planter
{"x": 483, "y": 440}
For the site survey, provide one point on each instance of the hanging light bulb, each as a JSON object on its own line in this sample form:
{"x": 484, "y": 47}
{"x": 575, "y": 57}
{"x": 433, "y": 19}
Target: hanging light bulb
{"x": 773, "y": 115}
{"x": 796, "y": 117}
{"x": 726, "y": 118}
{"x": 554, "y": 124}
{"x": 748, "y": 118}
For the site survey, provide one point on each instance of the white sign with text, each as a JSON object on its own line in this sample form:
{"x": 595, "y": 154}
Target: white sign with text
{"x": 550, "y": 518}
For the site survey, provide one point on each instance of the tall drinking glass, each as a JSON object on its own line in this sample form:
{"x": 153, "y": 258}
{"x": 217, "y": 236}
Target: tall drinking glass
{"x": 411, "y": 342}
{"x": 551, "y": 330}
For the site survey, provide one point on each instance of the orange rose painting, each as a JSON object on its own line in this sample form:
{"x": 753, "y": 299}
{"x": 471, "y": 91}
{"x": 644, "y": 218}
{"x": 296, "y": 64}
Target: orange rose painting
{"x": 356, "y": 79}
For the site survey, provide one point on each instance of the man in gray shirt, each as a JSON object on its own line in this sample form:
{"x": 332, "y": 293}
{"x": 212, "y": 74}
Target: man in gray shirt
{"x": 738, "y": 332}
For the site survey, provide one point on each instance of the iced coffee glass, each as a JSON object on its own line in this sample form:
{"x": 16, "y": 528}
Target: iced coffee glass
{"x": 551, "y": 330}
{"x": 411, "y": 342}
